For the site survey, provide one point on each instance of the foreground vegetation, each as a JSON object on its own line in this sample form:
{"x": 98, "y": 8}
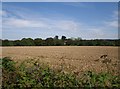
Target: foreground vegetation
{"x": 34, "y": 74}
{"x": 60, "y": 42}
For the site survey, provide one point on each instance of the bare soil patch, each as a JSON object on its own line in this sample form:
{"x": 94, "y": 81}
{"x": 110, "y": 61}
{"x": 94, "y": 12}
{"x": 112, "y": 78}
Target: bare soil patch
{"x": 74, "y": 59}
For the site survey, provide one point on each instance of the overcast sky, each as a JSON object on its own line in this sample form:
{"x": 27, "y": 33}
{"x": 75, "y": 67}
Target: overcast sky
{"x": 88, "y": 20}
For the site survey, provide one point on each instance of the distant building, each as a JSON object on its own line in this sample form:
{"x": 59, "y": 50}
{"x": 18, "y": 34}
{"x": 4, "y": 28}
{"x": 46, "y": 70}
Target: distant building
{"x": 65, "y": 42}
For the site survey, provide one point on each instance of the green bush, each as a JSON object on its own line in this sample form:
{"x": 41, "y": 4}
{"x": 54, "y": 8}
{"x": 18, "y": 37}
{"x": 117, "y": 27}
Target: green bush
{"x": 92, "y": 79}
{"x": 33, "y": 74}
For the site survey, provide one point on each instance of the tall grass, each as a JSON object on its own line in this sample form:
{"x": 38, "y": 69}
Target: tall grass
{"x": 35, "y": 75}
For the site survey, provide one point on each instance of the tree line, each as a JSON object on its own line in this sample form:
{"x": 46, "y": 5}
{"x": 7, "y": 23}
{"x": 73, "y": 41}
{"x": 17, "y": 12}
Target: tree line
{"x": 60, "y": 42}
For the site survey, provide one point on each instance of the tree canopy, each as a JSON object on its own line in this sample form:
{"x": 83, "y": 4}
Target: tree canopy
{"x": 64, "y": 41}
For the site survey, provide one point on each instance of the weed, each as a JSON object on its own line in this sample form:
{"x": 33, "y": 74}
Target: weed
{"x": 34, "y": 74}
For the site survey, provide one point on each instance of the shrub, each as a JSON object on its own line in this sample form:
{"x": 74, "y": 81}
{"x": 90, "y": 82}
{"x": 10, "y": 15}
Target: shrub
{"x": 34, "y": 74}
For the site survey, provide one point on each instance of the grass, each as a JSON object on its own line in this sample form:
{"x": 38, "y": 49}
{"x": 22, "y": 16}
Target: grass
{"x": 34, "y": 74}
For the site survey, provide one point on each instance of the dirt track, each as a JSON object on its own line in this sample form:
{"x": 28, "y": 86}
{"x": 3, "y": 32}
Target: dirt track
{"x": 72, "y": 58}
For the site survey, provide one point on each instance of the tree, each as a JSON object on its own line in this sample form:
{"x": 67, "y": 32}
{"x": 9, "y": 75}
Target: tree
{"x": 38, "y": 42}
{"x": 5, "y": 42}
{"x": 11, "y": 43}
{"x": 56, "y": 37}
{"x": 49, "y": 42}
{"x": 0, "y": 42}
{"x": 79, "y": 38}
{"x": 17, "y": 43}
{"x": 69, "y": 42}
{"x": 27, "y": 42}
{"x": 60, "y": 42}
{"x": 63, "y": 37}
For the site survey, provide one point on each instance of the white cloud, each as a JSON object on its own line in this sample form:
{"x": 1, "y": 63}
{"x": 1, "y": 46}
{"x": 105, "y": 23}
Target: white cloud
{"x": 45, "y": 23}
{"x": 67, "y": 25}
{"x": 39, "y": 22}
{"x": 115, "y": 13}
{"x": 2, "y": 13}
{"x": 21, "y": 23}
{"x": 78, "y": 29}
{"x": 13, "y": 22}
{"x": 113, "y": 24}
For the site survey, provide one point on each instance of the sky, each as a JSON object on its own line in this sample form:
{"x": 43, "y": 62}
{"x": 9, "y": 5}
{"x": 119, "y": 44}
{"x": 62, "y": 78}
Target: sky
{"x": 60, "y": 0}
{"x": 88, "y": 20}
